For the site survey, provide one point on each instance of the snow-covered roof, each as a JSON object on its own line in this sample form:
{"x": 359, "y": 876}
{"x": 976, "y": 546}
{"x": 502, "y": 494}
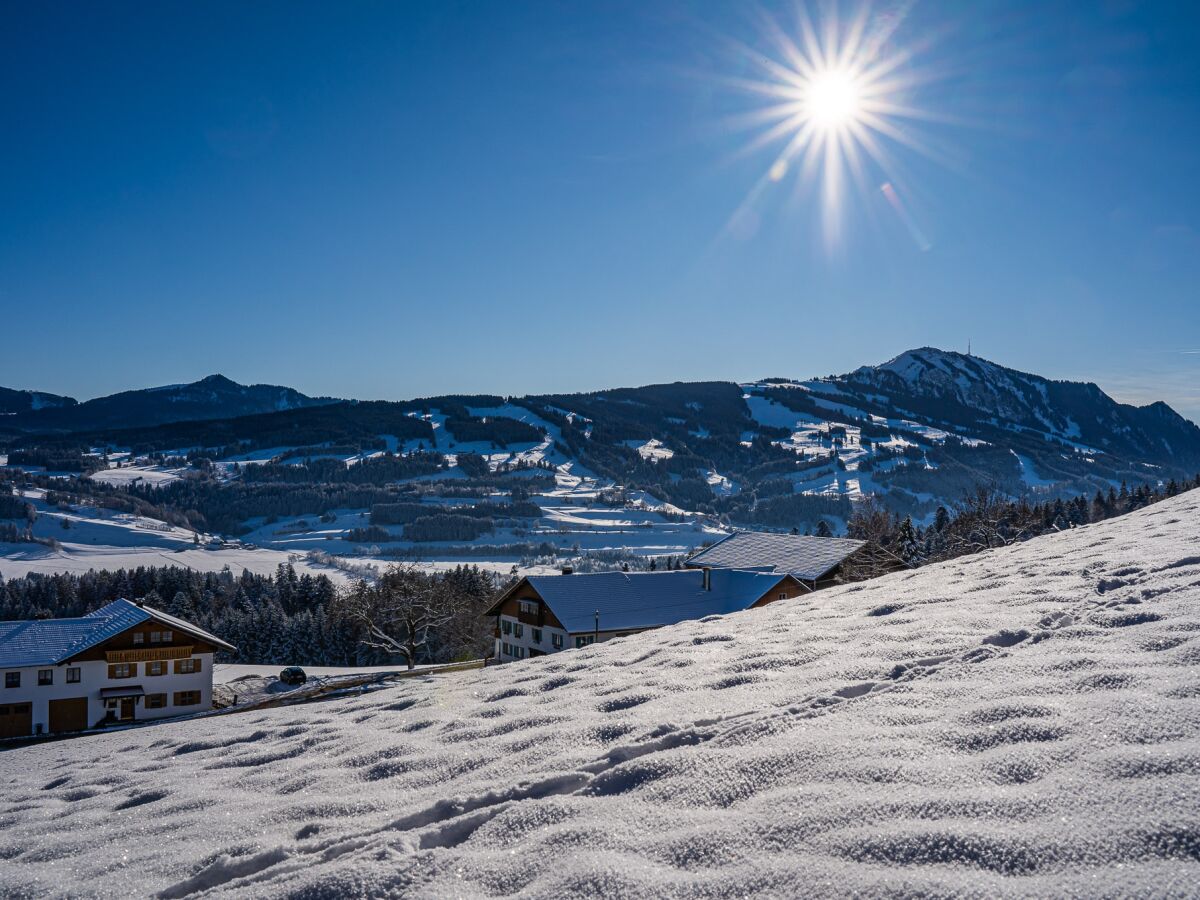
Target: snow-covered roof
{"x": 628, "y": 600}
{"x": 801, "y": 555}
{"x": 45, "y": 642}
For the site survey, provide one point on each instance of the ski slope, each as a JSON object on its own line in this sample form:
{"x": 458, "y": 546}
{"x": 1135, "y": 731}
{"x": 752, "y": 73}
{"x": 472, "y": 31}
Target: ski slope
{"x": 1021, "y": 722}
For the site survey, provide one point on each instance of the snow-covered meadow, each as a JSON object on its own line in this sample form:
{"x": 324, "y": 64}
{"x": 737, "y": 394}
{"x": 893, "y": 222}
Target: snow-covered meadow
{"x": 1021, "y": 722}
{"x": 97, "y": 538}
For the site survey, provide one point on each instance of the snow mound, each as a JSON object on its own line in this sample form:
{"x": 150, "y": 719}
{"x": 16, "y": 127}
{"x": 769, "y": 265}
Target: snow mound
{"x": 1021, "y": 722}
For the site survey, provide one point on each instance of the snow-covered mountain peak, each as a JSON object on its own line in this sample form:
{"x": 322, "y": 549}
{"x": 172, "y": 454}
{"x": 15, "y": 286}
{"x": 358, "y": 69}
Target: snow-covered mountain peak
{"x": 939, "y": 372}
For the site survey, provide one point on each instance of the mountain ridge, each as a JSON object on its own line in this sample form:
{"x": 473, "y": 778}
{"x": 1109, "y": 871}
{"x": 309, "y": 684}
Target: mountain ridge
{"x": 923, "y": 429}
{"x": 212, "y": 397}
{"x": 1070, "y": 410}
{"x": 16, "y": 401}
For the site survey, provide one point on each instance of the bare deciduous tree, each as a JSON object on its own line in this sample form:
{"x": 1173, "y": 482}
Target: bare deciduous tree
{"x": 402, "y": 612}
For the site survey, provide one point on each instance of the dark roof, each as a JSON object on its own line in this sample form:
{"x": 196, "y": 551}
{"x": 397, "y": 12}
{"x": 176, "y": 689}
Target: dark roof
{"x": 632, "y": 600}
{"x": 45, "y": 642}
{"x": 806, "y": 557}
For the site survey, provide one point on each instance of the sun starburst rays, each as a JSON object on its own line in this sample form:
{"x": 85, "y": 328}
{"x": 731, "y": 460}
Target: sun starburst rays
{"x": 837, "y": 102}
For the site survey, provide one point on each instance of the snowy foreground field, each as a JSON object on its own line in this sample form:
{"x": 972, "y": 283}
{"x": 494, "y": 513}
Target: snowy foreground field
{"x": 1021, "y": 722}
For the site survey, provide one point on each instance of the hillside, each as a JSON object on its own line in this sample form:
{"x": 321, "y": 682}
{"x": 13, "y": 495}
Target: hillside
{"x": 1020, "y": 722}
{"x": 15, "y": 402}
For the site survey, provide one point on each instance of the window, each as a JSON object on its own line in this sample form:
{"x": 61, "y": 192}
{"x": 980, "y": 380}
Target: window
{"x": 73, "y": 676}
{"x": 518, "y": 630}
{"x": 168, "y": 636}
{"x": 139, "y": 638}
{"x": 156, "y": 668}
{"x": 45, "y": 677}
{"x": 156, "y": 637}
{"x": 12, "y": 679}
{"x": 122, "y": 670}
{"x": 584, "y": 641}
{"x": 186, "y": 666}
{"x": 187, "y": 698}
{"x": 506, "y": 649}
{"x": 506, "y": 626}
{"x": 782, "y": 595}
{"x": 157, "y": 701}
{"x": 530, "y": 607}
{"x": 537, "y": 635}
{"x": 519, "y": 652}
{"x": 556, "y": 640}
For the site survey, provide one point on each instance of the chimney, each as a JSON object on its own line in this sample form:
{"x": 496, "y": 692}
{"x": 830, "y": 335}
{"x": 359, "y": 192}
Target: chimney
{"x": 567, "y": 570}
{"x": 707, "y": 579}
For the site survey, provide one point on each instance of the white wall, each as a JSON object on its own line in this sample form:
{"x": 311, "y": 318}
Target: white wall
{"x": 94, "y": 677}
{"x": 526, "y": 640}
{"x": 547, "y": 644}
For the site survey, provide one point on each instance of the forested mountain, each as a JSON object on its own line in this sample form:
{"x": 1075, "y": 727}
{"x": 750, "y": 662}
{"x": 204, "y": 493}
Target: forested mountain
{"x": 919, "y": 431}
{"x": 214, "y": 397}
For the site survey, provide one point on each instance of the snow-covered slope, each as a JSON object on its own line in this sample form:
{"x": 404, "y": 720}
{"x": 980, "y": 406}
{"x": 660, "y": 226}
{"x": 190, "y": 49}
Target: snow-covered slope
{"x": 1021, "y": 722}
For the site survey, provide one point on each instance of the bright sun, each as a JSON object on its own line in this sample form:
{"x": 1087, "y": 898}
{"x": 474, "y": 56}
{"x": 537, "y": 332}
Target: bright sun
{"x": 831, "y": 99}
{"x": 837, "y": 99}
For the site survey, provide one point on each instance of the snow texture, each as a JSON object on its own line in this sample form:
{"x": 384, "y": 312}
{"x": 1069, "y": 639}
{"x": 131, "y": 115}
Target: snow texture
{"x": 1024, "y": 722}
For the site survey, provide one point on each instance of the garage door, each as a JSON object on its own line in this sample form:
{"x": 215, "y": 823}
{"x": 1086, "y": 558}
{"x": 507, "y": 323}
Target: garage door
{"x": 16, "y": 719}
{"x": 69, "y": 714}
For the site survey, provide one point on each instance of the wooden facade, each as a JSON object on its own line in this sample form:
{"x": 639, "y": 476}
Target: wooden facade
{"x": 511, "y": 607}
{"x": 136, "y": 645}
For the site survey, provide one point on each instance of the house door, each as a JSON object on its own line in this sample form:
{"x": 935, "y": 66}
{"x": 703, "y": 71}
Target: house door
{"x": 16, "y": 720}
{"x": 126, "y": 709}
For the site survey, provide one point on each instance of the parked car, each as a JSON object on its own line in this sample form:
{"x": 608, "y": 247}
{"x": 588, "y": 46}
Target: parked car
{"x": 293, "y": 675}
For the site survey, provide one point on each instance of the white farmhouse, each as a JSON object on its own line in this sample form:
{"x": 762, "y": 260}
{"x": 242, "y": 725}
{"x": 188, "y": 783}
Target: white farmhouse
{"x": 122, "y": 663}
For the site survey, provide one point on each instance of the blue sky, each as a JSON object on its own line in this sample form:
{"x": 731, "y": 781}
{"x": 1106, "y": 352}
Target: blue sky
{"x": 386, "y": 200}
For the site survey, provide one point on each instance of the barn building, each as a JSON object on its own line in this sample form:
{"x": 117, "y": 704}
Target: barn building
{"x": 816, "y": 562}
{"x": 122, "y": 663}
{"x": 543, "y": 614}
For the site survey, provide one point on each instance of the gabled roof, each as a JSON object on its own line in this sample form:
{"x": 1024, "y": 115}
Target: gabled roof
{"x": 45, "y": 642}
{"x": 808, "y": 558}
{"x": 634, "y": 600}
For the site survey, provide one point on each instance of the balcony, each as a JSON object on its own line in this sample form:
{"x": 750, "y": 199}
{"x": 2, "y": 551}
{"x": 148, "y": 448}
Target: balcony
{"x": 531, "y": 613}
